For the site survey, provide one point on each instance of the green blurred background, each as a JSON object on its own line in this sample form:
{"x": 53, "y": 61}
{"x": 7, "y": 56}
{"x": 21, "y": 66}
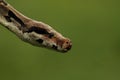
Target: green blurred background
{"x": 92, "y": 25}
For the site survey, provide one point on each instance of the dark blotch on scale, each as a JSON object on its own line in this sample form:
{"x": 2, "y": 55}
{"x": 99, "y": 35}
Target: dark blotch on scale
{"x": 40, "y": 41}
{"x": 40, "y": 31}
{"x": 54, "y": 47}
{"x": 11, "y": 14}
{"x": 37, "y": 30}
{"x": 8, "y": 18}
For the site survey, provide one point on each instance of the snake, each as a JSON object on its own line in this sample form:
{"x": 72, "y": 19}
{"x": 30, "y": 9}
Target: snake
{"x": 32, "y": 31}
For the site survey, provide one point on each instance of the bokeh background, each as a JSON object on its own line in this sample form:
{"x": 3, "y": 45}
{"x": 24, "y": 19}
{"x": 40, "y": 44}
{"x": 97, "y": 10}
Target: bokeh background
{"x": 92, "y": 25}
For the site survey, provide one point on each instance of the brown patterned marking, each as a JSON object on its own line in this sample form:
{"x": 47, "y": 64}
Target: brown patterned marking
{"x": 40, "y": 41}
{"x": 8, "y": 18}
{"x": 11, "y": 14}
{"x": 60, "y": 42}
{"x": 37, "y": 30}
{"x": 40, "y": 31}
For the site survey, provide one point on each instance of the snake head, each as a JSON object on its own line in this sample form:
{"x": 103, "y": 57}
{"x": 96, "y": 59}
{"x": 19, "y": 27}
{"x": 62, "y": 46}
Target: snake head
{"x": 34, "y": 32}
{"x": 41, "y": 34}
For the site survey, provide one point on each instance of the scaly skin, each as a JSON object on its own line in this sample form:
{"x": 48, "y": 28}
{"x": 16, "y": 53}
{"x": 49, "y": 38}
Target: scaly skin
{"x": 34, "y": 32}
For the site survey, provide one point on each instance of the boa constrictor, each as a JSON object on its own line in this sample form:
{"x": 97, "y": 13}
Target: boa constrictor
{"x": 34, "y": 32}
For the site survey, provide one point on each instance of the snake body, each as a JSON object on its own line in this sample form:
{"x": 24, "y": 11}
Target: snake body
{"x": 34, "y": 32}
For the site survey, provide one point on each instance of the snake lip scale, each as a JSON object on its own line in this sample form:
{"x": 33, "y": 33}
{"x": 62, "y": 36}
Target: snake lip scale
{"x": 34, "y": 32}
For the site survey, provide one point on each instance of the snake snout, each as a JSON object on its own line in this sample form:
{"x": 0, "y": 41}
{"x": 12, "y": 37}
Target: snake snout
{"x": 67, "y": 45}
